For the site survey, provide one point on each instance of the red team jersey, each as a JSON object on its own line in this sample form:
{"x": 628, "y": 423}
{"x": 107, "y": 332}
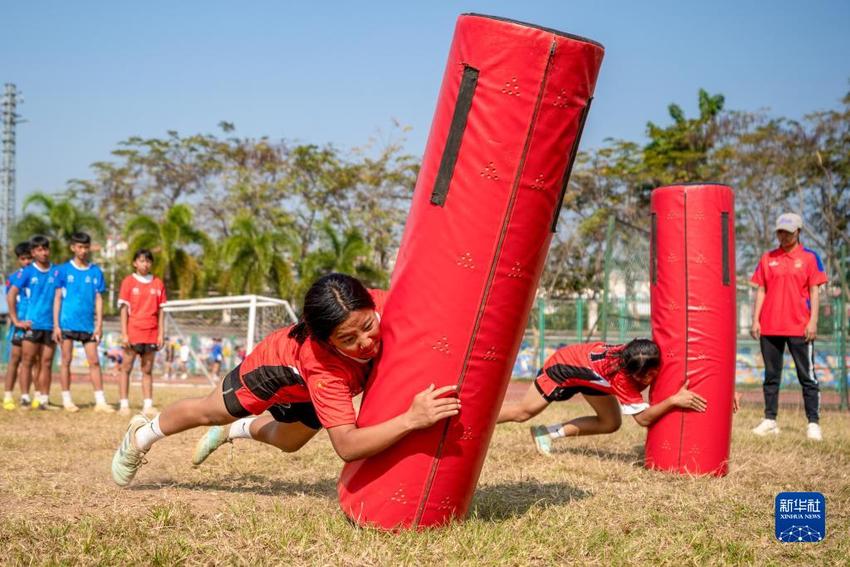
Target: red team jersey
{"x": 786, "y": 278}
{"x": 143, "y": 297}
{"x": 592, "y": 366}
{"x": 281, "y": 371}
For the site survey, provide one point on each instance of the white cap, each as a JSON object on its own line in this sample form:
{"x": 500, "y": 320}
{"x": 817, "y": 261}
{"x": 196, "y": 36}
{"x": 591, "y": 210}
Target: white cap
{"x": 789, "y": 222}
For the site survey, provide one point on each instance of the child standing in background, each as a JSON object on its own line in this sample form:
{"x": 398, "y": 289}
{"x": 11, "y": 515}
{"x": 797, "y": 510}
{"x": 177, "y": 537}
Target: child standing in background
{"x": 22, "y": 251}
{"x": 78, "y": 316}
{"x": 38, "y": 284}
{"x": 217, "y": 356}
{"x": 142, "y": 327}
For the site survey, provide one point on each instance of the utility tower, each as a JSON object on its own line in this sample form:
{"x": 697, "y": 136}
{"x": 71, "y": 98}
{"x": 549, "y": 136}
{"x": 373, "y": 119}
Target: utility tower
{"x": 11, "y": 99}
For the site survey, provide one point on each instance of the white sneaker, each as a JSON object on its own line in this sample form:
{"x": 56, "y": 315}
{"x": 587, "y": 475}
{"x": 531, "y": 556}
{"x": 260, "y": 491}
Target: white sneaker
{"x": 128, "y": 458}
{"x": 813, "y": 432}
{"x": 104, "y": 408}
{"x": 766, "y": 427}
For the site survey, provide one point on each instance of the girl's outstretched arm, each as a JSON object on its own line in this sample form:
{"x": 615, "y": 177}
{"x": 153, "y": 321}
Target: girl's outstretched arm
{"x": 684, "y": 398}
{"x": 428, "y": 407}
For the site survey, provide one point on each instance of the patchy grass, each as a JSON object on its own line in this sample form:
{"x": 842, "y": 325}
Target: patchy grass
{"x": 591, "y": 503}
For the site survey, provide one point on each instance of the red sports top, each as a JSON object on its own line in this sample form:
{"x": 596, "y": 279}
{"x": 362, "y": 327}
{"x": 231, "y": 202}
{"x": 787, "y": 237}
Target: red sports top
{"x": 143, "y": 297}
{"x": 288, "y": 372}
{"x": 786, "y": 278}
{"x": 600, "y": 359}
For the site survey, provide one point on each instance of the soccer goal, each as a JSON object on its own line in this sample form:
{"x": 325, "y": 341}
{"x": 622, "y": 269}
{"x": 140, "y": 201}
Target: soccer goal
{"x": 236, "y": 323}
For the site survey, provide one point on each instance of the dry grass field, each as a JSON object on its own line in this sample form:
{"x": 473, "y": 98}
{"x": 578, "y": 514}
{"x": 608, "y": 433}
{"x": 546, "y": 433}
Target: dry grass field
{"x": 591, "y": 503}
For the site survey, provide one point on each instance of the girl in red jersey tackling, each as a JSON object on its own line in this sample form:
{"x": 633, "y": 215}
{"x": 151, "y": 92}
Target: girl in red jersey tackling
{"x": 611, "y": 378}
{"x": 305, "y": 376}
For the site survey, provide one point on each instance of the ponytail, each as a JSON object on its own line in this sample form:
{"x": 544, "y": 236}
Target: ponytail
{"x": 639, "y": 357}
{"x": 299, "y": 332}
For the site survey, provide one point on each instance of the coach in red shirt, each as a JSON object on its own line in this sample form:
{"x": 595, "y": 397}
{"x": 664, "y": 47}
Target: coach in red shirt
{"x": 786, "y": 313}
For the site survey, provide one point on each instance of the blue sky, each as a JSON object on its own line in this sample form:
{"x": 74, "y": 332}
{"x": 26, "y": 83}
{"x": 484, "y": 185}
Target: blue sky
{"x": 94, "y": 73}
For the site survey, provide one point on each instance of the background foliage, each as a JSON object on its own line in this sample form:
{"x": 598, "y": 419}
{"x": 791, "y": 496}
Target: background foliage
{"x": 228, "y": 215}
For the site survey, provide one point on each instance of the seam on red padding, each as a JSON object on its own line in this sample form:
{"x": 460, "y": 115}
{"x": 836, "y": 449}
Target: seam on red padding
{"x": 687, "y": 322}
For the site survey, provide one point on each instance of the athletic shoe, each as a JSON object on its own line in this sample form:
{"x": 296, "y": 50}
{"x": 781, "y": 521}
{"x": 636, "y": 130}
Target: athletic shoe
{"x": 128, "y": 458}
{"x": 70, "y": 407}
{"x": 36, "y": 404}
{"x": 766, "y": 427}
{"x": 9, "y": 404}
{"x": 124, "y": 411}
{"x": 541, "y": 438}
{"x": 150, "y": 412}
{"x": 104, "y": 408}
{"x": 813, "y": 432}
{"x": 214, "y": 438}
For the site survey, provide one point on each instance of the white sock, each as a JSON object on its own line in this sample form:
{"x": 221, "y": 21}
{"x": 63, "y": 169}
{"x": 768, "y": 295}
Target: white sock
{"x": 43, "y": 398}
{"x": 125, "y": 403}
{"x": 25, "y": 399}
{"x": 241, "y": 428}
{"x": 8, "y": 396}
{"x": 556, "y": 431}
{"x": 147, "y": 403}
{"x": 149, "y": 434}
{"x": 66, "y": 398}
{"x": 99, "y": 398}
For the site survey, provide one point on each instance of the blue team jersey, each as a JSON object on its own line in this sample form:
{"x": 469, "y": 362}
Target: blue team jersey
{"x": 21, "y": 300}
{"x": 80, "y": 287}
{"x": 39, "y": 287}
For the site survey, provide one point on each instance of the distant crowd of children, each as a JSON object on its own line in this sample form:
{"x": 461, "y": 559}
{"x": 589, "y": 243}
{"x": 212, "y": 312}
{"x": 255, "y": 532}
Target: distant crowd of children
{"x": 54, "y": 306}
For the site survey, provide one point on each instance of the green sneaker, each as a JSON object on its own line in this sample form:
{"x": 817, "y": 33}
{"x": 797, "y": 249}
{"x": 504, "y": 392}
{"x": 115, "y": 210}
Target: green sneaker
{"x": 9, "y": 404}
{"x": 541, "y": 438}
{"x": 128, "y": 458}
{"x": 212, "y": 440}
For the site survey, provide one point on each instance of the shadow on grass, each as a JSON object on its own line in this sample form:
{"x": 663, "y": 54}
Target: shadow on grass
{"x": 635, "y": 457}
{"x": 251, "y": 484}
{"x": 508, "y": 500}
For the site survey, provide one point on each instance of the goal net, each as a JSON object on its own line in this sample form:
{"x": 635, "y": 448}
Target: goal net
{"x": 229, "y": 326}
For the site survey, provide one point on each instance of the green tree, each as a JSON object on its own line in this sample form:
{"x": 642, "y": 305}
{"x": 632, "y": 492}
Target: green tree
{"x": 761, "y": 162}
{"x": 681, "y": 152}
{"x": 347, "y": 253}
{"x": 317, "y": 183}
{"x": 173, "y": 241}
{"x": 825, "y": 198}
{"x": 257, "y": 260}
{"x": 56, "y": 217}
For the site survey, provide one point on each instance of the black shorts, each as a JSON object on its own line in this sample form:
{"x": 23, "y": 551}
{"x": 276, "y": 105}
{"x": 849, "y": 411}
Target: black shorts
{"x": 144, "y": 348}
{"x": 298, "y": 412}
{"x": 17, "y": 337}
{"x": 79, "y": 336}
{"x": 38, "y": 336}
{"x": 564, "y": 393}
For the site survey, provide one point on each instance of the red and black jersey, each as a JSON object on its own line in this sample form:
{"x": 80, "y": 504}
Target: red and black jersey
{"x": 592, "y": 368}
{"x": 282, "y": 371}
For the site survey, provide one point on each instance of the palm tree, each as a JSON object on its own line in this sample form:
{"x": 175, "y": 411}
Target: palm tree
{"x": 257, "y": 259}
{"x": 58, "y": 219}
{"x": 171, "y": 241}
{"x": 347, "y": 254}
